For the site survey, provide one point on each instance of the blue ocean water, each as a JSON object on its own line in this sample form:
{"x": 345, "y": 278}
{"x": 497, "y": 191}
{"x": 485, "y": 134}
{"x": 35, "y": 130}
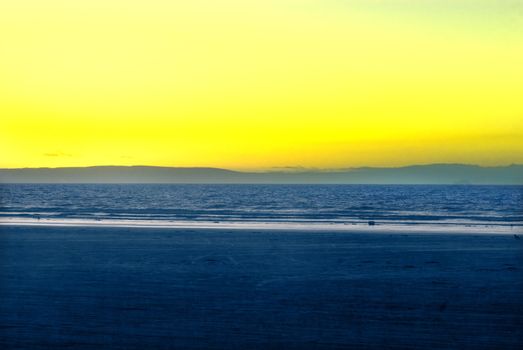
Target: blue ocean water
{"x": 386, "y": 204}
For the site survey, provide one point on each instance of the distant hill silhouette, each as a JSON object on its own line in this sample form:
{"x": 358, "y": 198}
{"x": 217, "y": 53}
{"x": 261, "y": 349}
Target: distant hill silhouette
{"x": 415, "y": 174}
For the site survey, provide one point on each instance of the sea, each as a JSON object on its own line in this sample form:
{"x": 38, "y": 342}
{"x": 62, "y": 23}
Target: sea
{"x": 499, "y": 207}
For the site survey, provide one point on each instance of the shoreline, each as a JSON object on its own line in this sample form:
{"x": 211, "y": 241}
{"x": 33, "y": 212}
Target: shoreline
{"x": 375, "y": 227}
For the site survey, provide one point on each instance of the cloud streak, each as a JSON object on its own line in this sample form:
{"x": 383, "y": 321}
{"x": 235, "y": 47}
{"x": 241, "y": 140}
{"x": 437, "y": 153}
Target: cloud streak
{"x": 57, "y": 154}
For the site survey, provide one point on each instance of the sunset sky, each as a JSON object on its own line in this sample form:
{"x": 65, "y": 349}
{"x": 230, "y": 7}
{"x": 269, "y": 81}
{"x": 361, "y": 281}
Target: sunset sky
{"x": 260, "y": 84}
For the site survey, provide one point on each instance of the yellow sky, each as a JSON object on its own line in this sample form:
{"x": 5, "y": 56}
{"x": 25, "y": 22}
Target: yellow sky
{"x": 260, "y": 84}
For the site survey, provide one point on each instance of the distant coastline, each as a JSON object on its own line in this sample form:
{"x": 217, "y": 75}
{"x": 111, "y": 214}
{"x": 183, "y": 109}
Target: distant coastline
{"x": 459, "y": 174}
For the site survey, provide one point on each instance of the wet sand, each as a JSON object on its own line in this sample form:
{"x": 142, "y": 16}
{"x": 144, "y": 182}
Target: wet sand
{"x": 146, "y": 288}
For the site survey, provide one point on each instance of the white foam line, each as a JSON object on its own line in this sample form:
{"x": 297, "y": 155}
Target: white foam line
{"x": 471, "y": 229}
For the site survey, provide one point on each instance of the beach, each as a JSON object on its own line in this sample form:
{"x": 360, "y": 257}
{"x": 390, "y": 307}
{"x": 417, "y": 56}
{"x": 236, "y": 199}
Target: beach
{"x": 105, "y": 287}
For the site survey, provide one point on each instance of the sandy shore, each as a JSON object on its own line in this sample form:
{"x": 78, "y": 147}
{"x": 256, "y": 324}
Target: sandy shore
{"x": 146, "y": 288}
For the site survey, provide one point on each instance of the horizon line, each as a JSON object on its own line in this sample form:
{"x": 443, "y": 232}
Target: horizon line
{"x": 292, "y": 169}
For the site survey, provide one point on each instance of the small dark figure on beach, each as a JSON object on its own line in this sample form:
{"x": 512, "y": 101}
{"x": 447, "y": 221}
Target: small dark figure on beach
{"x": 372, "y": 223}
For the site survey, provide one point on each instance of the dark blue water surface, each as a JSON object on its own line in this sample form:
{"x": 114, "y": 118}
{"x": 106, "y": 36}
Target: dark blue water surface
{"x": 497, "y": 205}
